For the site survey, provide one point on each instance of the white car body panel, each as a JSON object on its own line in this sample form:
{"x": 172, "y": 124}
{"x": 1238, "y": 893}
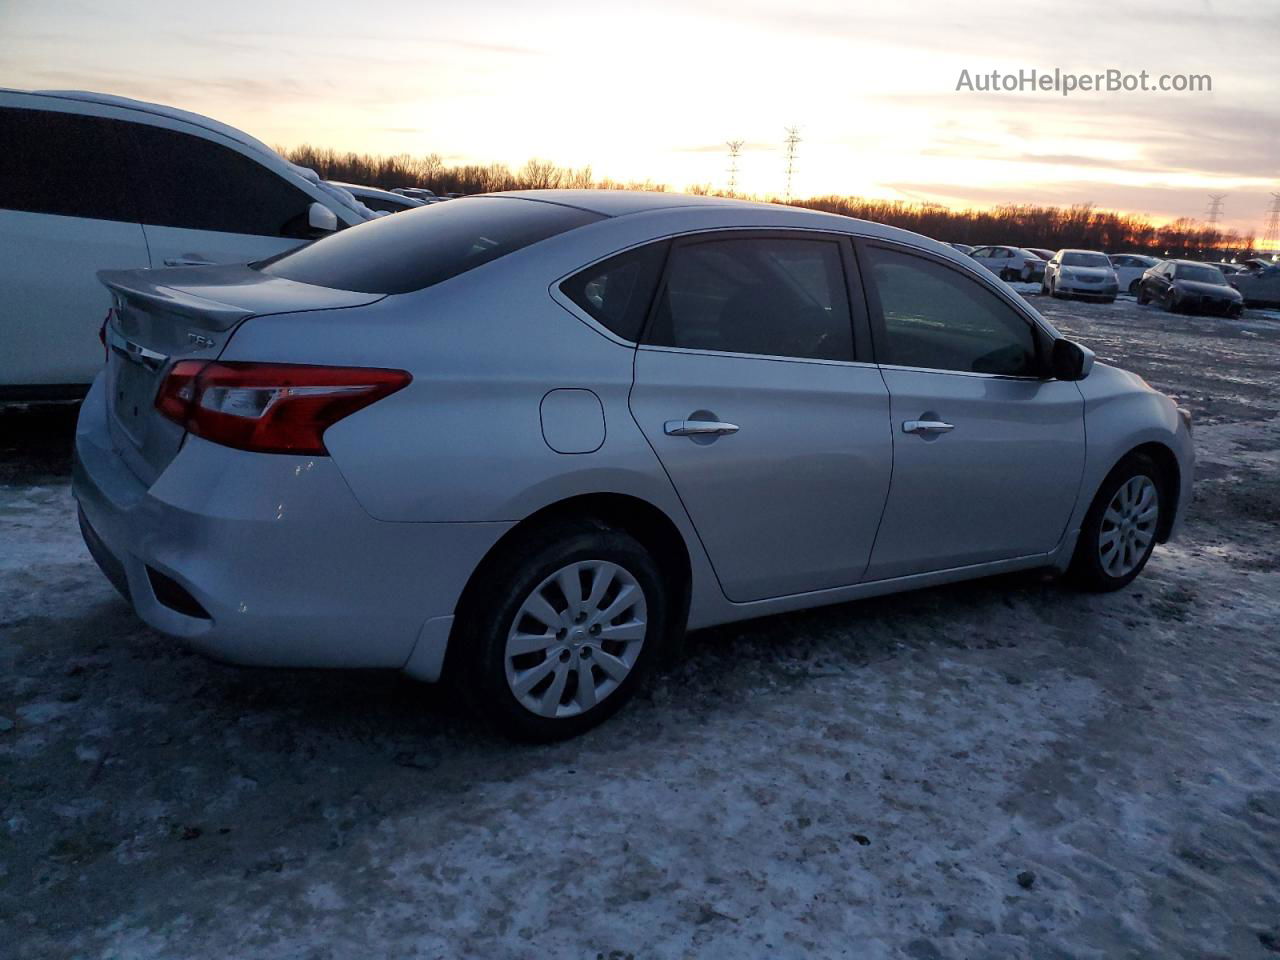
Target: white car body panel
{"x": 52, "y": 341}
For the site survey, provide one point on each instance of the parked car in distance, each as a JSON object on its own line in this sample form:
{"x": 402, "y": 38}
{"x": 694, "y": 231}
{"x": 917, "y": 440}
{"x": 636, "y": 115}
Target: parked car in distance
{"x": 1033, "y": 270}
{"x": 1129, "y": 268}
{"x": 383, "y": 201}
{"x": 1257, "y": 264}
{"x": 1259, "y": 287}
{"x": 544, "y": 432}
{"x": 962, "y": 247}
{"x": 1007, "y": 263}
{"x": 1087, "y": 274}
{"x": 418, "y": 193}
{"x": 104, "y": 182}
{"x": 1230, "y": 269}
{"x": 1190, "y": 287}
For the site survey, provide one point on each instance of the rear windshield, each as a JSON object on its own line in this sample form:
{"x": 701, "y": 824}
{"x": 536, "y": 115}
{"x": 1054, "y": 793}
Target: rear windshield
{"x": 1085, "y": 260}
{"x": 426, "y": 245}
{"x": 1200, "y": 273}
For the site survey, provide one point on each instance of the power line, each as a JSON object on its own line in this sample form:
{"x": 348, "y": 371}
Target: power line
{"x": 1271, "y": 231}
{"x": 792, "y": 142}
{"x": 735, "y": 149}
{"x": 1215, "y": 208}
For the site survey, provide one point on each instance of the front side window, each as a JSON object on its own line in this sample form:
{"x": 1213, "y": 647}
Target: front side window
{"x": 771, "y": 296}
{"x": 196, "y": 184}
{"x": 617, "y": 292}
{"x": 938, "y": 318}
{"x": 66, "y": 164}
{"x": 428, "y": 245}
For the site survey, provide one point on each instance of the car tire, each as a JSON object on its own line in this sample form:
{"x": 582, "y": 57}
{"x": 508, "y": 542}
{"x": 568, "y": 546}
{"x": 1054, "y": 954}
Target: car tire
{"x": 1170, "y": 301}
{"x": 1119, "y": 531}
{"x": 529, "y": 684}
{"x": 1143, "y": 297}
{"x": 1134, "y": 287}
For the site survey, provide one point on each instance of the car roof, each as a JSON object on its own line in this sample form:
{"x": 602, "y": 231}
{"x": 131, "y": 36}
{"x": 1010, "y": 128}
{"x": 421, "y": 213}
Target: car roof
{"x": 617, "y": 203}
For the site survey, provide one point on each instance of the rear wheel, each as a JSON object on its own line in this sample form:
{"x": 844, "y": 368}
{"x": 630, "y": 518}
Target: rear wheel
{"x": 1134, "y": 288}
{"x": 561, "y": 630}
{"x": 1119, "y": 531}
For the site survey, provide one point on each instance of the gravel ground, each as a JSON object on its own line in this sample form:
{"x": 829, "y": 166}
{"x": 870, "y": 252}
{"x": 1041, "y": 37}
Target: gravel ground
{"x": 998, "y": 769}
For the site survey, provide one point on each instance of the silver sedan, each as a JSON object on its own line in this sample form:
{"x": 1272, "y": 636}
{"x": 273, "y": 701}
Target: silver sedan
{"x": 523, "y": 441}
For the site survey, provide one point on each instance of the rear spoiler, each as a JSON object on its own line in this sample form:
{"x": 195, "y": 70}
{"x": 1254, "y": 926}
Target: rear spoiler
{"x": 219, "y": 297}
{"x": 142, "y": 289}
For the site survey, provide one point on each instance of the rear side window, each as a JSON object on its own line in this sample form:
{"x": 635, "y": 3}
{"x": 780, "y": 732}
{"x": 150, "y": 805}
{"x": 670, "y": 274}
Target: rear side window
{"x": 617, "y": 292}
{"x": 65, "y": 164}
{"x": 771, "y": 296}
{"x": 194, "y": 183}
{"x": 421, "y": 247}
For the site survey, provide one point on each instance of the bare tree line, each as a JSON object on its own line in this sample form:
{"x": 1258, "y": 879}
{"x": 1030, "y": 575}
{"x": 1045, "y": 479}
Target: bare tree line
{"x": 1030, "y": 225}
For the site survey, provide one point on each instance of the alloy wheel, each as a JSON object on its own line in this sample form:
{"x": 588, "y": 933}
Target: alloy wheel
{"x": 1128, "y": 526}
{"x": 575, "y": 638}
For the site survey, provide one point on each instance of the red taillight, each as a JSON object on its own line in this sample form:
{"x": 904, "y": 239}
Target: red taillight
{"x": 269, "y": 407}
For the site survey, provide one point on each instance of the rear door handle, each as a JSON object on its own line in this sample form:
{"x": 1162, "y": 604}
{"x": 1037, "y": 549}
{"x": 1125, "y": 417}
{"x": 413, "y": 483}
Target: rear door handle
{"x": 698, "y": 428}
{"x": 188, "y": 262}
{"x": 926, "y": 426}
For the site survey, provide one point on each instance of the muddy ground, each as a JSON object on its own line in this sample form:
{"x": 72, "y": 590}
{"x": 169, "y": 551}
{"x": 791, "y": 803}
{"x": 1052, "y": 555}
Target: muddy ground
{"x": 1001, "y": 769}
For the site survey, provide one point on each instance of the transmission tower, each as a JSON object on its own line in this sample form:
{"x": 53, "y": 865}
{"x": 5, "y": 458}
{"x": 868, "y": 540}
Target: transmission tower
{"x": 792, "y": 141}
{"x": 1271, "y": 232}
{"x": 735, "y": 149}
{"x": 1214, "y": 212}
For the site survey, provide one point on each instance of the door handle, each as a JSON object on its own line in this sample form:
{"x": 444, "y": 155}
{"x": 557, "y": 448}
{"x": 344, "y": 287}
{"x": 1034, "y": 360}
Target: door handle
{"x": 926, "y": 426}
{"x": 698, "y": 428}
{"x": 188, "y": 262}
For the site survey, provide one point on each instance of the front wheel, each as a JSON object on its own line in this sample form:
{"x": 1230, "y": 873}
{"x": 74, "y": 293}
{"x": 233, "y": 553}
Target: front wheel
{"x": 1133, "y": 288}
{"x": 1119, "y": 531}
{"x": 560, "y": 630}
{"x": 1143, "y": 297}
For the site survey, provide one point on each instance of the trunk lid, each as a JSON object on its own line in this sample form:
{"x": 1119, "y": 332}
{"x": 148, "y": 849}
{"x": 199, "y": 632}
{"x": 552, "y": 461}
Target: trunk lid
{"x": 188, "y": 313}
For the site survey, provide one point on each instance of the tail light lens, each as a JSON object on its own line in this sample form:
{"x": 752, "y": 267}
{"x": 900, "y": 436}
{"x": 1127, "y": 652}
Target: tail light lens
{"x": 270, "y": 407}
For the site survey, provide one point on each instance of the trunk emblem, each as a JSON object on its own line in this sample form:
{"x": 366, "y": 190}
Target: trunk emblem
{"x": 199, "y": 340}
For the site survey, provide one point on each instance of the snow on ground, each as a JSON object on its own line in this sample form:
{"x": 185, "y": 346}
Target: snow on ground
{"x": 1001, "y": 769}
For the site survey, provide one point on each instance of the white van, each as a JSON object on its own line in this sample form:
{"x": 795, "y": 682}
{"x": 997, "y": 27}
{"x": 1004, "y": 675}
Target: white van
{"x": 90, "y": 182}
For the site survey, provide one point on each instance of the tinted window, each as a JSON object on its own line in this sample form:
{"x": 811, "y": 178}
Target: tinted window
{"x": 937, "y": 318}
{"x": 197, "y": 184}
{"x": 618, "y": 291}
{"x": 426, "y": 245}
{"x": 772, "y": 296}
{"x": 64, "y": 163}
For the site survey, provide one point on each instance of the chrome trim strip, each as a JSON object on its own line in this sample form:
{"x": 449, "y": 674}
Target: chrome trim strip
{"x": 135, "y": 352}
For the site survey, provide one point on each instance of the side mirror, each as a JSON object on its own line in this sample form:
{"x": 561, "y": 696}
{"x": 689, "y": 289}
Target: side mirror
{"x": 321, "y": 219}
{"x": 1070, "y": 360}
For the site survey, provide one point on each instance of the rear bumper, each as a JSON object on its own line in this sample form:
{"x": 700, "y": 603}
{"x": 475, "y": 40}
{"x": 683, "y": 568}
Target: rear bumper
{"x": 288, "y": 569}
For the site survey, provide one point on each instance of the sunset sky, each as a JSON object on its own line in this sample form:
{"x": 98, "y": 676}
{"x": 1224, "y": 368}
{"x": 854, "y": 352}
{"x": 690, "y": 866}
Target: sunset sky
{"x": 652, "y": 90}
